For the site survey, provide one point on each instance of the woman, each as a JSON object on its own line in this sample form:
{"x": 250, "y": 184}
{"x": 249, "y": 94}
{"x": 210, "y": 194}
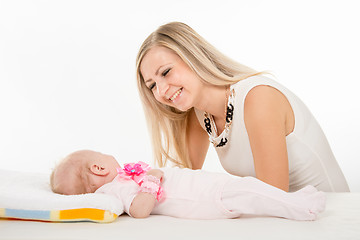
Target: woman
{"x": 192, "y": 93}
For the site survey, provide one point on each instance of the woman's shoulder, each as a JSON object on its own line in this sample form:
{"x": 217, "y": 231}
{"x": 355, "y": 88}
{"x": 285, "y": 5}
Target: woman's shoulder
{"x": 258, "y": 85}
{"x": 253, "y": 81}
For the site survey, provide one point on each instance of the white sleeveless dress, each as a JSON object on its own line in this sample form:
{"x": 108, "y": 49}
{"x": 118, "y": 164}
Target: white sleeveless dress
{"x": 311, "y": 161}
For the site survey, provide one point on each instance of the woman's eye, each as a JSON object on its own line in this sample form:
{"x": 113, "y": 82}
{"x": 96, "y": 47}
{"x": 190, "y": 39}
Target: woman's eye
{"x": 166, "y": 72}
{"x": 151, "y": 87}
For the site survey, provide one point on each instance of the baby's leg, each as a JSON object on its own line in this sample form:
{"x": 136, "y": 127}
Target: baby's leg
{"x": 249, "y": 195}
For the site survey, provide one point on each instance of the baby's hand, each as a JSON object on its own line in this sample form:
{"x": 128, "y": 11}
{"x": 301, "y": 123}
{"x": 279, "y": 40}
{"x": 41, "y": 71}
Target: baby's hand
{"x": 156, "y": 173}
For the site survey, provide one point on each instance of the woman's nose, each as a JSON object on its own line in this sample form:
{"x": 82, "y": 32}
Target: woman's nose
{"x": 162, "y": 87}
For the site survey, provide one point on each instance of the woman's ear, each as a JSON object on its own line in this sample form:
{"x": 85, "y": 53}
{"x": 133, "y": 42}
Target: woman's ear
{"x": 98, "y": 169}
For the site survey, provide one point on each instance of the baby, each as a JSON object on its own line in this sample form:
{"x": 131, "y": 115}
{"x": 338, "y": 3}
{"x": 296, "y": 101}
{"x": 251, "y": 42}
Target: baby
{"x": 183, "y": 193}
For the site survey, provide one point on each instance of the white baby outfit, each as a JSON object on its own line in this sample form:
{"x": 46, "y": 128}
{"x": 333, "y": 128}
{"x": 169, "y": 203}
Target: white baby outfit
{"x": 311, "y": 161}
{"x": 197, "y": 194}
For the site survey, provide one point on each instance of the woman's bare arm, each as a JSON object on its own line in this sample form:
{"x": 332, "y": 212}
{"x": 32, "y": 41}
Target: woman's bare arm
{"x": 266, "y": 114}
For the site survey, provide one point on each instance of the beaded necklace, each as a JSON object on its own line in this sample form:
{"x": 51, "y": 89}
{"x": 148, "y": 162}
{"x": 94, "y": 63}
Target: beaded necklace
{"x": 222, "y": 139}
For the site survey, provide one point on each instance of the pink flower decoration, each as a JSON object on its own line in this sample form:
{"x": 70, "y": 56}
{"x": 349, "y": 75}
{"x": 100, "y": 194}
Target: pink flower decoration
{"x": 134, "y": 171}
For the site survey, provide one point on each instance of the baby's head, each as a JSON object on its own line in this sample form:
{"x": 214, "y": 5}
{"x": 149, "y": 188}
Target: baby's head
{"x": 83, "y": 172}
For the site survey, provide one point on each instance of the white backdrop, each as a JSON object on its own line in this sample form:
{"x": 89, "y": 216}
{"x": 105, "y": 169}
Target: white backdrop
{"x": 67, "y": 70}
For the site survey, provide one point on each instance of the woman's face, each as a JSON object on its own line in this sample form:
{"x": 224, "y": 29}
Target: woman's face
{"x": 170, "y": 79}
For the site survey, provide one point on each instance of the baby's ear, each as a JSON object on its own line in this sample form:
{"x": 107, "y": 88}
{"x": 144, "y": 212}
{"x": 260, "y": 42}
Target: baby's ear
{"x": 99, "y": 169}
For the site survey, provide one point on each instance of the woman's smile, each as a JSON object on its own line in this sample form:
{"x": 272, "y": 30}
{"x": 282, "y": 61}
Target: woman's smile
{"x": 175, "y": 95}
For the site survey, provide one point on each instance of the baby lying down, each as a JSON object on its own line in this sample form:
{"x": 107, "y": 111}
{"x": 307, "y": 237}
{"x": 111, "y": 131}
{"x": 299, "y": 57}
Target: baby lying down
{"x": 182, "y": 193}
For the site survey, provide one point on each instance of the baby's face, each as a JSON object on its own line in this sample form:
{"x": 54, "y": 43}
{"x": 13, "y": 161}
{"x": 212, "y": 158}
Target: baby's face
{"x": 84, "y": 172}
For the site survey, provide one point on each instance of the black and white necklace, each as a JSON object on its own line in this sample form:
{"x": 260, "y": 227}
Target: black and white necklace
{"x": 222, "y": 139}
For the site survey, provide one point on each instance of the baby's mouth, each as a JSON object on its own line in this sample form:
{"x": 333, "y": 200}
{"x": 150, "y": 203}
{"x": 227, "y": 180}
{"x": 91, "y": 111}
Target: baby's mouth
{"x": 176, "y": 94}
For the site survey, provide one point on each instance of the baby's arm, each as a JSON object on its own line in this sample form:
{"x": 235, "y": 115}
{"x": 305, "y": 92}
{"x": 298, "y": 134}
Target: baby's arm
{"x": 143, "y": 203}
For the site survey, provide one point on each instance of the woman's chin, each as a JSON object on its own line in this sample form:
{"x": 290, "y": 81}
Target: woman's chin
{"x": 182, "y": 108}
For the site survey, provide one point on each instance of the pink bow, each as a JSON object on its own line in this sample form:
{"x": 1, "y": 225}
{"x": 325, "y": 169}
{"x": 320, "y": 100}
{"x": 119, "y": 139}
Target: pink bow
{"x": 134, "y": 171}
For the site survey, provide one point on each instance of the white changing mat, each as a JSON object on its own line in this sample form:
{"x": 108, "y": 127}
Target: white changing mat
{"x": 28, "y": 196}
{"x": 340, "y": 221}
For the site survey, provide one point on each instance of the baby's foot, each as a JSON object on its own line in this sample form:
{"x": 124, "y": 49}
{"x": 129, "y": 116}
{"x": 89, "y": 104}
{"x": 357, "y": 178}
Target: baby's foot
{"x": 319, "y": 200}
{"x": 313, "y": 200}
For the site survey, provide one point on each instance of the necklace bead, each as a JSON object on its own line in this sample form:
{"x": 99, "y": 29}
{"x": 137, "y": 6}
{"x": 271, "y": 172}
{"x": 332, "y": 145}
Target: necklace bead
{"x": 228, "y": 114}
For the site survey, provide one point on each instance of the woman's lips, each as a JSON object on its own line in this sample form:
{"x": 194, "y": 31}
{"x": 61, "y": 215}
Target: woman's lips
{"x": 177, "y": 93}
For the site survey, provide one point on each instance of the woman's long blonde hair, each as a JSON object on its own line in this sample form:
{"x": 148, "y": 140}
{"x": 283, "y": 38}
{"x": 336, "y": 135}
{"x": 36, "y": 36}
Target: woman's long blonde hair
{"x": 167, "y": 125}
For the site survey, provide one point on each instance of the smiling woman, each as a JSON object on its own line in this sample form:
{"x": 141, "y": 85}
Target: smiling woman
{"x": 191, "y": 93}
{"x": 167, "y": 81}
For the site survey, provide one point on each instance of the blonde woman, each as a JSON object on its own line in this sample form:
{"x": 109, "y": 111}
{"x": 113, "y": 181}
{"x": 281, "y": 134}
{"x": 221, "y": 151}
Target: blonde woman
{"x": 193, "y": 95}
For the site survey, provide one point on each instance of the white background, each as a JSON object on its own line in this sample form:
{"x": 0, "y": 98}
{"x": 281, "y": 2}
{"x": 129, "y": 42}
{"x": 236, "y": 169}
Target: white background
{"x": 67, "y": 70}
